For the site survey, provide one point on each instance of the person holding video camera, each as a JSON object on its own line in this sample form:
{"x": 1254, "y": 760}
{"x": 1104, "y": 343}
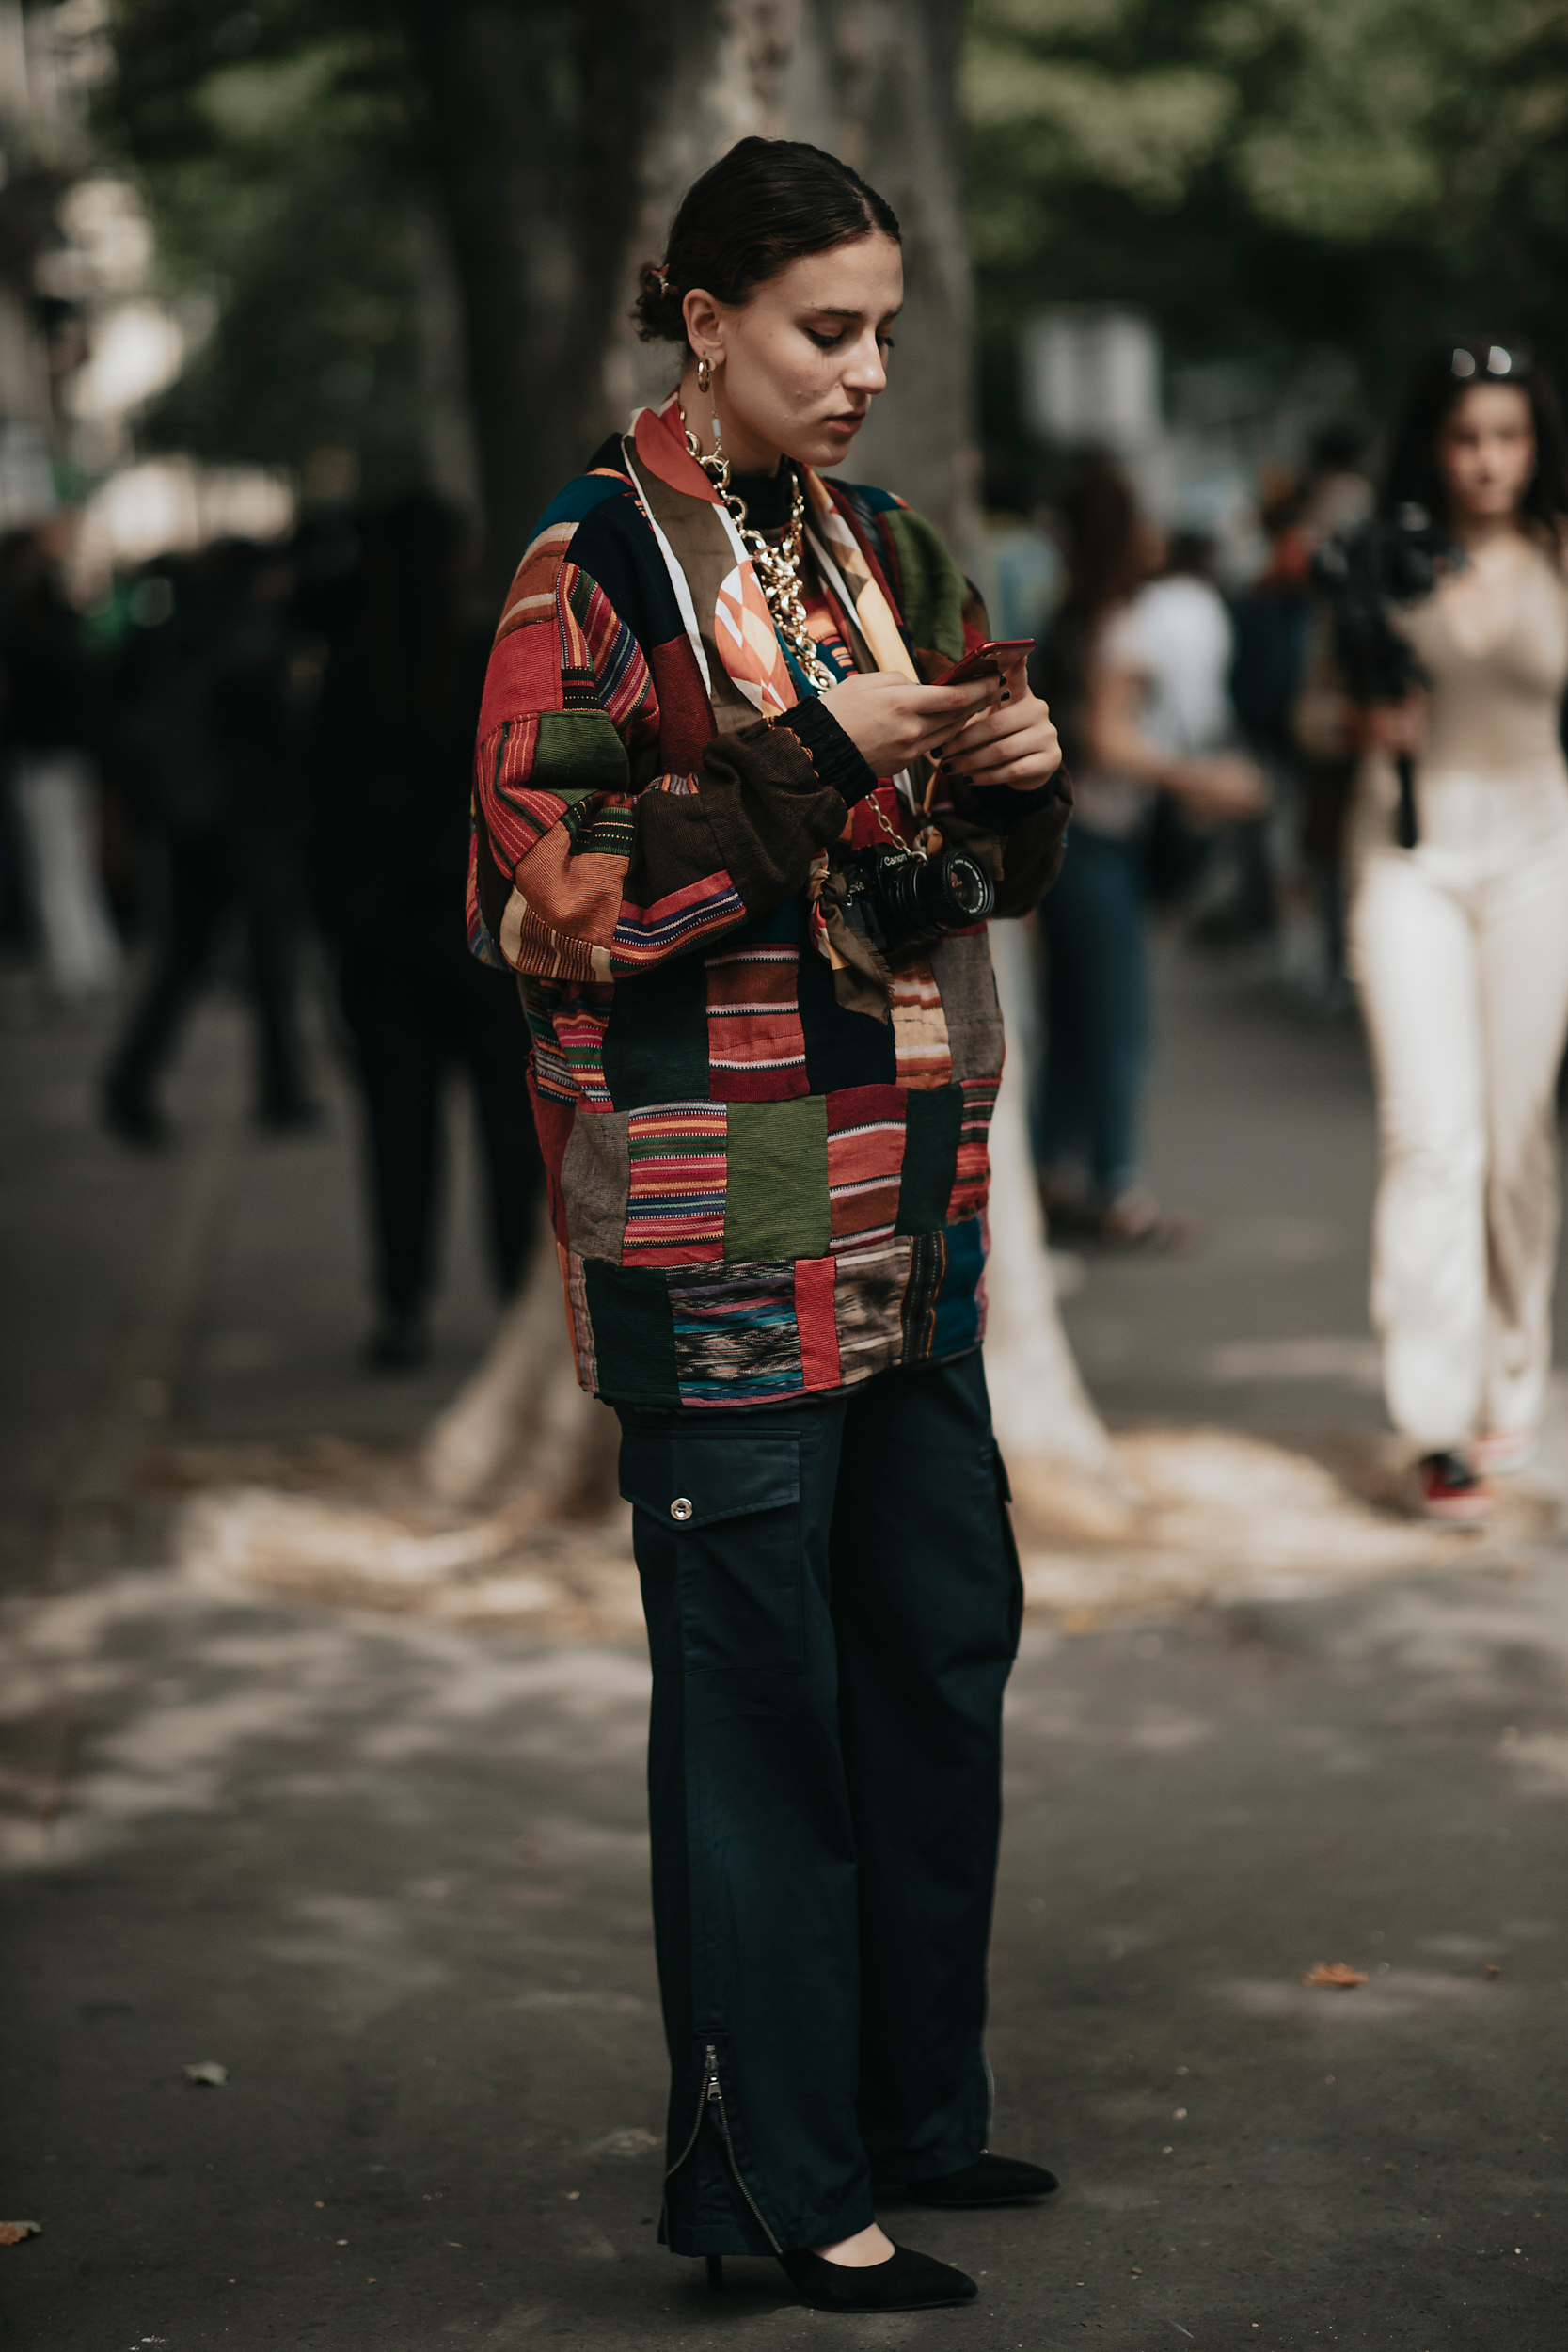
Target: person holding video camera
{"x": 739, "y": 842}
{"x": 1450, "y": 624}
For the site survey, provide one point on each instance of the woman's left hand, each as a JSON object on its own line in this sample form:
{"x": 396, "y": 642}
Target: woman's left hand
{"x": 1012, "y": 743}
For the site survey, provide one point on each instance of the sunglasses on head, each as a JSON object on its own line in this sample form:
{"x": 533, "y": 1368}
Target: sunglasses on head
{"x": 1499, "y": 361}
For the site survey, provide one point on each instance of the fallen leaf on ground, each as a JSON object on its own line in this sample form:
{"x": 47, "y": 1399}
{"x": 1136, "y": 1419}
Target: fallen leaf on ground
{"x": 207, "y": 2070}
{"x": 12, "y": 2232}
{"x": 1335, "y": 1973}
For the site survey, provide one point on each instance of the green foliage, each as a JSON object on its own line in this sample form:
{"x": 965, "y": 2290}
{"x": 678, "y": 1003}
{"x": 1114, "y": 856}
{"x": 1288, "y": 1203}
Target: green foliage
{"x": 1266, "y": 176}
{"x": 274, "y": 149}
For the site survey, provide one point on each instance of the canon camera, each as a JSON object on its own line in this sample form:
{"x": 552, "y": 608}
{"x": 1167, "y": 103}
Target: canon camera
{"x": 897, "y": 899}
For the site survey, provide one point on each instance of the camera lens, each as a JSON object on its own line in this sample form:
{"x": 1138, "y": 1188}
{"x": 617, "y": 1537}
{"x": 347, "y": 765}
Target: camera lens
{"x": 954, "y": 890}
{"x": 968, "y": 886}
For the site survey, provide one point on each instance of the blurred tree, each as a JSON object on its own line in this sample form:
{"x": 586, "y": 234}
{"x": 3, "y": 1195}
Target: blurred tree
{"x": 274, "y": 150}
{"x": 1265, "y": 175}
{"x": 317, "y": 171}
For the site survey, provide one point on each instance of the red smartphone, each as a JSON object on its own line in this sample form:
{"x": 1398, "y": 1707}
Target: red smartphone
{"x": 986, "y": 661}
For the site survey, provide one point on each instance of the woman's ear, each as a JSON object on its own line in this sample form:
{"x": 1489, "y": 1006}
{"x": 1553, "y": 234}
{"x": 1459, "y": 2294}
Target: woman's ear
{"x": 704, "y": 324}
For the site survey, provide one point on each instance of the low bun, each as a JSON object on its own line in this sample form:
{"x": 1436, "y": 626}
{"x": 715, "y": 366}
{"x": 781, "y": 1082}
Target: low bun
{"x": 765, "y": 204}
{"x": 658, "y": 308}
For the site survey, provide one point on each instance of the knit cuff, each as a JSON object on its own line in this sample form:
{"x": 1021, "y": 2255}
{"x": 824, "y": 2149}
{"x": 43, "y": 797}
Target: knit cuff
{"x": 832, "y": 753}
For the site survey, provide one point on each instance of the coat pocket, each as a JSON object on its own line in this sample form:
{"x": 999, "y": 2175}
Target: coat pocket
{"x": 719, "y": 1545}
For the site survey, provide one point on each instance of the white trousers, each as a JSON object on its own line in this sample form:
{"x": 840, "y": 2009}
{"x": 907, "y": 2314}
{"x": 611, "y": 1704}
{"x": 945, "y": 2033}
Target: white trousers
{"x": 1460, "y": 951}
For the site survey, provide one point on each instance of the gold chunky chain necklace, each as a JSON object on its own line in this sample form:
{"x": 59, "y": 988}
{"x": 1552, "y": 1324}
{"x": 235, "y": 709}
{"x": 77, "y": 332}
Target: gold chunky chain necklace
{"x": 778, "y": 568}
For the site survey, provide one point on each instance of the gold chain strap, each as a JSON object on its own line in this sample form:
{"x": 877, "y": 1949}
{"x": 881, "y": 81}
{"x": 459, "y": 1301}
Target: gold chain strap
{"x": 778, "y": 569}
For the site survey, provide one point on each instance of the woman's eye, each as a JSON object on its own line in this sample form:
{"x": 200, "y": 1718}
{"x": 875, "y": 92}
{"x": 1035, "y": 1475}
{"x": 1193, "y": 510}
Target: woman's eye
{"x": 825, "y": 343}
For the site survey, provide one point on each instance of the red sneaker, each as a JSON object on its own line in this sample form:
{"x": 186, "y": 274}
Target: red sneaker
{"x": 1449, "y": 1490}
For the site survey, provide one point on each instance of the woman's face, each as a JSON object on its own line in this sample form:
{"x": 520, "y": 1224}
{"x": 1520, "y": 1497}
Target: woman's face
{"x": 797, "y": 367}
{"x": 1486, "y": 451}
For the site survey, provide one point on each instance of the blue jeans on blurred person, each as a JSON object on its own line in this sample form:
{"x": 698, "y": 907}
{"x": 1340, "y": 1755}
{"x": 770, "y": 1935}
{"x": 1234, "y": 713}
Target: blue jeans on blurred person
{"x": 1095, "y": 989}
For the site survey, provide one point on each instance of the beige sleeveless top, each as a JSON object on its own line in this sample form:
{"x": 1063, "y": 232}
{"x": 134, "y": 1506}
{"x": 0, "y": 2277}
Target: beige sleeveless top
{"x": 1491, "y": 780}
{"x": 1496, "y": 675}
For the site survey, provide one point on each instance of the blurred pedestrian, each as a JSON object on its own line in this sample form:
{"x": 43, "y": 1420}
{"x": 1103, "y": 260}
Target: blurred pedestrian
{"x": 712, "y": 836}
{"x": 48, "y": 714}
{"x": 1459, "y": 945}
{"x": 1336, "y": 497}
{"x": 1019, "y": 564}
{"x": 1272, "y": 620}
{"x": 389, "y": 765}
{"x": 1136, "y": 667}
{"x": 199, "y": 727}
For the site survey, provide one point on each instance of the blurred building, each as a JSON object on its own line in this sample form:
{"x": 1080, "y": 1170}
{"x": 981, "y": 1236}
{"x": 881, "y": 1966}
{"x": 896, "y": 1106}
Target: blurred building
{"x": 1193, "y": 438}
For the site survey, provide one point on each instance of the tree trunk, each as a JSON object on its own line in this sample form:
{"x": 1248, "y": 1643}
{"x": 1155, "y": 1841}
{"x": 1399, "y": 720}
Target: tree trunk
{"x": 886, "y": 99}
{"x": 561, "y": 138}
{"x": 537, "y": 114}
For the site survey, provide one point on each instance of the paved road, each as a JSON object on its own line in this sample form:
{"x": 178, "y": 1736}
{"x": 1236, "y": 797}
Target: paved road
{"x": 392, "y": 1876}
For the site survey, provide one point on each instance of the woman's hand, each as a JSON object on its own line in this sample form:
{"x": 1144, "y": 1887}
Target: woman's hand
{"x": 1390, "y": 728}
{"x": 1014, "y": 742}
{"x": 891, "y": 721}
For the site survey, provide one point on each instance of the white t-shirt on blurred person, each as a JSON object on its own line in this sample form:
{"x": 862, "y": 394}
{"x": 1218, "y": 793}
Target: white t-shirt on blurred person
{"x": 1176, "y": 635}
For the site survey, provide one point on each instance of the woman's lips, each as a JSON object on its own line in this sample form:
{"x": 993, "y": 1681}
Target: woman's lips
{"x": 848, "y": 422}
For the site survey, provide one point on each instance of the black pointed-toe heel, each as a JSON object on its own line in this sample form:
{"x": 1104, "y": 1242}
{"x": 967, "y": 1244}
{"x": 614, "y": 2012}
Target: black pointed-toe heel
{"x": 988, "y": 2181}
{"x": 907, "y": 2281}
{"x": 716, "y": 2270}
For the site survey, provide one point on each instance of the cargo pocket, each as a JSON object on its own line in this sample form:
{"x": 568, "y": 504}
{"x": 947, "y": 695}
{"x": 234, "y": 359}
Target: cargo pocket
{"x": 719, "y": 1545}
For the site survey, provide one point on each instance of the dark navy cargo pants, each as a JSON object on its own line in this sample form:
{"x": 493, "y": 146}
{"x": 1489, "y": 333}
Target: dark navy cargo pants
{"x": 832, "y": 1598}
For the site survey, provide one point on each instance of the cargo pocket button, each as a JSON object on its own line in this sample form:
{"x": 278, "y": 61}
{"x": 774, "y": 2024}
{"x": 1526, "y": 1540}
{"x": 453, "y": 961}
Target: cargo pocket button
{"x": 680, "y": 1509}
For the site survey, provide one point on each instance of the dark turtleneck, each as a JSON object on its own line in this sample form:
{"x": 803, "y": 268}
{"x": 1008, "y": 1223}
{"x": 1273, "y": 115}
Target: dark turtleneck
{"x": 768, "y": 495}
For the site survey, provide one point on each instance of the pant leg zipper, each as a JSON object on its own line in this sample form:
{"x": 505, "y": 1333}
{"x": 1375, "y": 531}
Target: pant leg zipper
{"x": 712, "y": 2102}
{"x": 709, "y": 2070}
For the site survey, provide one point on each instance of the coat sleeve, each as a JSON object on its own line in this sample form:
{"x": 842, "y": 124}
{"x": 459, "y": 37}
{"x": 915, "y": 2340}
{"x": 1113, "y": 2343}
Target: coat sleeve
{"x": 589, "y": 861}
{"x": 1033, "y": 826}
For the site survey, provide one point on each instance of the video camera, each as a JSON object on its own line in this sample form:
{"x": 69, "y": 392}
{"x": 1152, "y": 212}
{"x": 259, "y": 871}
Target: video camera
{"x": 1366, "y": 575}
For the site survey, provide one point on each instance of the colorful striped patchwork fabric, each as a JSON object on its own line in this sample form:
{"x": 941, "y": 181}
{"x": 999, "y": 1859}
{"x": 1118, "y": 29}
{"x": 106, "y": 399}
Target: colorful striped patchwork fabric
{"x": 759, "y": 1192}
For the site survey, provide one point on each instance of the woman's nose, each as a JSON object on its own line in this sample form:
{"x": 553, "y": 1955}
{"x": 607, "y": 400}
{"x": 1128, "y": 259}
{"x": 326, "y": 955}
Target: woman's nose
{"x": 866, "y": 372}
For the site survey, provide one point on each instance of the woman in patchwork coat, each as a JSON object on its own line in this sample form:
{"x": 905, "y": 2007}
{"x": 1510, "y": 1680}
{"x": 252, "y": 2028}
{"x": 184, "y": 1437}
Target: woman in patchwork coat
{"x": 740, "y": 846}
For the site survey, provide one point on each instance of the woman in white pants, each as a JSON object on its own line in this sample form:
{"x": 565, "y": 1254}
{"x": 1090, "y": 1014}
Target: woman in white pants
{"x": 1460, "y": 944}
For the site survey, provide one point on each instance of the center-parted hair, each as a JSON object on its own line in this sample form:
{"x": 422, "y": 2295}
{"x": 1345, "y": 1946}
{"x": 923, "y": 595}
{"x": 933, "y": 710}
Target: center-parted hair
{"x": 765, "y": 204}
{"x": 1413, "y": 473}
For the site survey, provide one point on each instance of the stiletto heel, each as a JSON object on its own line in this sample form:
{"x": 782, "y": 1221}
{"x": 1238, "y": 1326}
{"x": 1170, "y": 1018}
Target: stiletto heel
{"x": 716, "y": 2270}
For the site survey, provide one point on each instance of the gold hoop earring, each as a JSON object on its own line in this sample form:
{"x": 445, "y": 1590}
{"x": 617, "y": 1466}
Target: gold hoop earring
{"x": 705, "y": 373}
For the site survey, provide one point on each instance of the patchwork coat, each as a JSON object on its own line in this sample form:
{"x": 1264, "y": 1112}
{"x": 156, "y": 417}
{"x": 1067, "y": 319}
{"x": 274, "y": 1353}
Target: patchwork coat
{"x": 763, "y": 1188}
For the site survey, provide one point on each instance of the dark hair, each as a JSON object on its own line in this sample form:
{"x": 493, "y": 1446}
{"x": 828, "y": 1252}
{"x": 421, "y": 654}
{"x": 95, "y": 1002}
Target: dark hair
{"x": 760, "y": 207}
{"x": 1414, "y": 475}
{"x": 1105, "y": 559}
{"x": 1101, "y": 540}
